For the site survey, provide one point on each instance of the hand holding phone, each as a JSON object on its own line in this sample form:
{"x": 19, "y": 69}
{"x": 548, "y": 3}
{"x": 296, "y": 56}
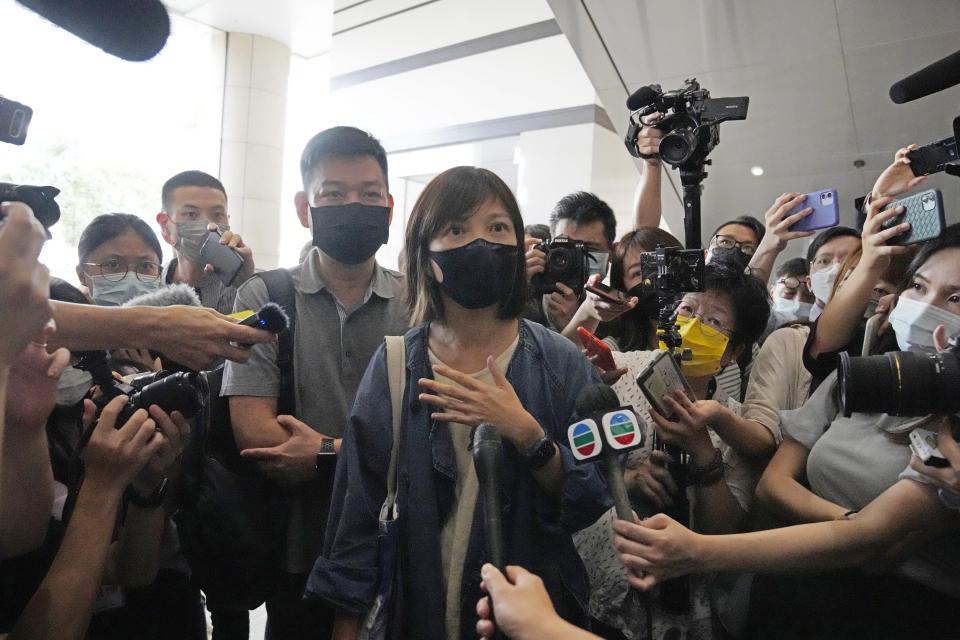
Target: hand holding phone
{"x": 662, "y": 378}
{"x": 924, "y": 212}
{"x": 600, "y": 353}
{"x": 226, "y": 262}
{"x": 826, "y": 211}
{"x": 611, "y": 295}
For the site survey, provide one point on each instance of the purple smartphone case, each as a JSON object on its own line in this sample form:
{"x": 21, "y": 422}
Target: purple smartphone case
{"x": 826, "y": 211}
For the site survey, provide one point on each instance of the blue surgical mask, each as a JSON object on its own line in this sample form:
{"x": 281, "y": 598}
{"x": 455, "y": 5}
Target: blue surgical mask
{"x": 113, "y": 294}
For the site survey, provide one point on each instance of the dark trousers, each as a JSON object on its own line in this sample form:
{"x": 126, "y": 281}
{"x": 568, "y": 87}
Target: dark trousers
{"x": 290, "y": 617}
{"x": 169, "y": 609}
{"x": 230, "y": 624}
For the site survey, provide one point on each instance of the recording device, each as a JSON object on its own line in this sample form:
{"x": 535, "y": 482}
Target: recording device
{"x": 183, "y": 392}
{"x": 924, "y": 445}
{"x": 598, "y": 348}
{"x": 690, "y": 122}
{"x": 924, "y": 212}
{"x": 826, "y": 211}
{"x": 671, "y": 272}
{"x": 271, "y": 317}
{"x": 226, "y": 262}
{"x": 606, "y": 292}
{"x": 599, "y": 410}
{"x": 133, "y": 30}
{"x": 662, "y": 378}
{"x": 900, "y": 383}
{"x": 14, "y": 121}
{"x": 39, "y": 199}
{"x": 488, "y": 461}
{"x": 940, "y": 75}
{"x": 934, "y": 157}
{"x": 569, "y": 262}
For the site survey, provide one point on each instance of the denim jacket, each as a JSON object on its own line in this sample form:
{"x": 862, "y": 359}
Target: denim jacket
{"x": 547, "y": 372}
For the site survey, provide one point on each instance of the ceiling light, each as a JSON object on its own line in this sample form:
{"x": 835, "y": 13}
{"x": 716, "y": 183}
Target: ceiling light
{"x": 757, "y": 171}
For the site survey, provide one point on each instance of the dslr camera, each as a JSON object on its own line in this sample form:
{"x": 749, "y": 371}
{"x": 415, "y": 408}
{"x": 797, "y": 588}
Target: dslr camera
{"x": 39, "y": 199}
{"x": 181, "y": 391}
{"x": 901, "y": 383}
{"x": 570, "y": 262}
{"x": 690, "y": 122}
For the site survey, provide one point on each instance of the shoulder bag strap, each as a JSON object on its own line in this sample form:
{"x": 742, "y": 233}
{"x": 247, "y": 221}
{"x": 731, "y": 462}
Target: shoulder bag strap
{"x": 280, "y": 290}
{"x": 397, "y": 374}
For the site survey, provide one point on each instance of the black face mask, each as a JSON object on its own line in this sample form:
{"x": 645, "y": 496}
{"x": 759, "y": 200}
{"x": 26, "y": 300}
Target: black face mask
{"x": 732, "y": 257}
{"x": 350, "y": 233}
{"x": 648, "y": 307}
{"x": 478, "y": 274}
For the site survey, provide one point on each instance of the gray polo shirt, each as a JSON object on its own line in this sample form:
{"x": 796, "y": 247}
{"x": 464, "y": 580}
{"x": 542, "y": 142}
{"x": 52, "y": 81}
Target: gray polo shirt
{"x": 213, "y": 294}
{"x": 331, "y": 350}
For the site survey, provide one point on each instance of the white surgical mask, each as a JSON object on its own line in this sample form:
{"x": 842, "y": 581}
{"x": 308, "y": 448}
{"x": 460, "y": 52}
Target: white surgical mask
{"x": 113, "y": 294}
{"x": 914, "y": 322}
{"x": 793, "y": 309}
{"x": 821, "y": 282}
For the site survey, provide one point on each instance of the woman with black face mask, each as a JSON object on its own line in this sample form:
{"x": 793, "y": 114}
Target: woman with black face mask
{"x": 471, "y": 360}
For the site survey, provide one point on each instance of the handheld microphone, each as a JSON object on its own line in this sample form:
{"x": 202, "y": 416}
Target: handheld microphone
{"x": 940, "y": 75}
{"x": 271, "y": 317}
{"x": 598, "y": 407}
{"x": 173, "y": 295}
{"x": 488, "y": 461}
{"x": 642, "y": 97}
{"x": 134, "y": 30}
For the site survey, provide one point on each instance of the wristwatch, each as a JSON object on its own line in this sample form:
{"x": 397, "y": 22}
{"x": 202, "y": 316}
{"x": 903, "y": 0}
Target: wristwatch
{"x": 538, "y": 455}
{"x": 327, "y": 452}
{"x": 154, "y": 500}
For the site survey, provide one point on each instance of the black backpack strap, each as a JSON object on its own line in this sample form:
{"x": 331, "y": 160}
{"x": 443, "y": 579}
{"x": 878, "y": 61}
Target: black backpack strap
{"x": 280, "y": 290}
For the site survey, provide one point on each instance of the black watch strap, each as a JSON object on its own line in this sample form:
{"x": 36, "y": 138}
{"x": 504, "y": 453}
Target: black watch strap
{"x": 154, "y": 500}
{"x": 327, "y": 452}
{"x": 540, "y": 453}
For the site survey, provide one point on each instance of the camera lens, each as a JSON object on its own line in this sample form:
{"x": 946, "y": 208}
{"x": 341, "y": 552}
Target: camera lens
{"x": 176, "y": 392}
{"x": 899, "y": 383}
{"x": 678, "y": 146}
{"x": 559, "y": 260}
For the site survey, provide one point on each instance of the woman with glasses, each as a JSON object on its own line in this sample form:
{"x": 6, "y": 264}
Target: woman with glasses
{"x": 716, "y": 325}
{"x": 119, "y": 258}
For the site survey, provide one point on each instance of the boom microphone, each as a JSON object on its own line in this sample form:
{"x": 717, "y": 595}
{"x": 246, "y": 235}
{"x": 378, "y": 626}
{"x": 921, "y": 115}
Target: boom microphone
{"x": 642, "y": 97}
{"x": 134, "y": 30}
{"x": 940, "y": 75}
{"x": 488, "y": 462}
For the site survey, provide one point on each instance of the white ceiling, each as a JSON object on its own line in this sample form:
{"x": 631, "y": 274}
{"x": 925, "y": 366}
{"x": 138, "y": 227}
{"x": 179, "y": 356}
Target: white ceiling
{"x": 306, "y": 26}
{"x": 817, "y": 73}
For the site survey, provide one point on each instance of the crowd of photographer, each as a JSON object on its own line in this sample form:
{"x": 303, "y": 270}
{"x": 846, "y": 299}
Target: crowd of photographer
{"x": 206, "y": 435}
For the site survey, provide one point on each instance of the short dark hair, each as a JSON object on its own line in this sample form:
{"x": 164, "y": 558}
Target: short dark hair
{"x": 582, "y": 208}
{"x": 452, "y": 196}
{"x": 642, "y": 238}
{"x": 340, "y": 142}
{"x": 108, "y": 226}
{"x": 192, "y": 178}
{"x": 744, "y": 221}
{"x": 538, "y": 231}
{"x": 793, "y": 268}
{"x": 826, "y": 236}
{"x": 751, "y": 302}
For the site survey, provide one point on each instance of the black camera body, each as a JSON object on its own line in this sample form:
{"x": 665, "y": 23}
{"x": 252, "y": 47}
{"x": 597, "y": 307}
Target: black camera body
{"x": 690, "y": 122}
{"x": 567, "y": 262}
{"x": 670, "y": 271}
{"x": 900, "y": 383}
{"x": 181, "y": 391}
{"x": 39, "y": 199}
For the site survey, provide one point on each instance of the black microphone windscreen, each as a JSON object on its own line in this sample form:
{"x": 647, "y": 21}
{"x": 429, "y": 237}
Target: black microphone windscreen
{"x": 596, "y": 397}
{"x": 940, "y": 75}
{"x": 487, "y": 433}
{"x": 641, "y": 98}
{"x": 174, "y": 294}
{"x": 134, "y": 30}
{"x": 273, "y": 318}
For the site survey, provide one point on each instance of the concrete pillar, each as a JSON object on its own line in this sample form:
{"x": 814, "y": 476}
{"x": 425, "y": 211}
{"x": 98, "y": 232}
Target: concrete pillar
{"x": 251, "y": 151}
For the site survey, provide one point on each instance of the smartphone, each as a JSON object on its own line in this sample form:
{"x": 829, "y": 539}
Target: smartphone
{"x": 661, "y": 378}
{"x": 933, "y": 157}
{"x": 924, "y": 212}
{"x": 14, "y": 120}
{"x": 226, "y": 261}
{"x": 607, "y": 293}
{"x": 924, "y": 444}
{"x": 597, "y": 347}
{"x": 826, "y": 211}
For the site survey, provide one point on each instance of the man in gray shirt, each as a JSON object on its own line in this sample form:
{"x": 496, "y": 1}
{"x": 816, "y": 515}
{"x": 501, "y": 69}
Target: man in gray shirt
{"x": 345, "y": 304}
{"x": 193, "y": 202}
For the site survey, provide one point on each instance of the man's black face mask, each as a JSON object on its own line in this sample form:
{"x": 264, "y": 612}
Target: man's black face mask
{"x": 350, "y": 233}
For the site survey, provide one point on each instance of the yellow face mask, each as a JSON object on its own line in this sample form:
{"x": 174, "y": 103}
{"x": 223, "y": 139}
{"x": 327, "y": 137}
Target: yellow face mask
{"x": 706, "y": 343}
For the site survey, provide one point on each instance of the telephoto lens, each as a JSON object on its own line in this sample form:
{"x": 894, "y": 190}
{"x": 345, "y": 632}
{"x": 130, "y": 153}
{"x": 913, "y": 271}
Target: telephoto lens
{"x": 900, "y": 383}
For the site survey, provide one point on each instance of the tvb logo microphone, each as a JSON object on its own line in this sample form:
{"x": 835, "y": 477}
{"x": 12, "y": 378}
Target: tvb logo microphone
{"x": 617, "y": 429}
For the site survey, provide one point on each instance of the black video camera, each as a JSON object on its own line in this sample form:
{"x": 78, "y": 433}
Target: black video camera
{"x": 570, "y": 262}
{"x": 670, "y": 271}
{"x": 901, "y": 383}
{"x": 691, "y": 120}
{"x": 183, "y": 392}
{"x": 40, "y": 199}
